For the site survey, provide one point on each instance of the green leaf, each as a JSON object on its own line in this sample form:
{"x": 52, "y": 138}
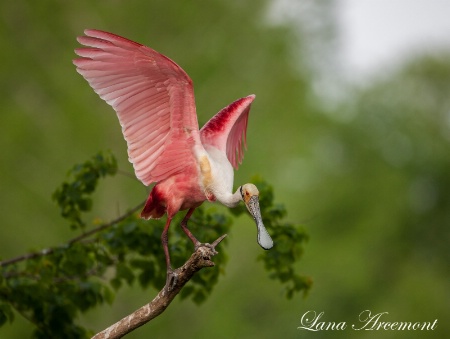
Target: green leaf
{"x": 6, "y": 313}
{"x": 125, "y": 273}
{"x": 108, "y": 294}
{"x": 116, "y": 283}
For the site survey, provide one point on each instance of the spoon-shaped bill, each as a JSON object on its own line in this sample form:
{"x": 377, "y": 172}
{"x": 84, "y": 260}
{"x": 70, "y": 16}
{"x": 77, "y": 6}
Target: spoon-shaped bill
{"x": 264, "y": 239}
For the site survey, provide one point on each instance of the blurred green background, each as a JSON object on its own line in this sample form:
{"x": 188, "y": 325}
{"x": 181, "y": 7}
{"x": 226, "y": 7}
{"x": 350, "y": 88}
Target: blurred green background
{"x": 368, "y": 175}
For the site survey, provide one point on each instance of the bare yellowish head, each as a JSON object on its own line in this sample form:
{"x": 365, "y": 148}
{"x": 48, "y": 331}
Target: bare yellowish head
{"x": 248, "y": 191}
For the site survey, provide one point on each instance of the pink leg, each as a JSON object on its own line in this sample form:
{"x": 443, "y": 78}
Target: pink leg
{"x": 171, "y": 276}
{"x": 164, "y": 241}
{"x": 186, "y": 230}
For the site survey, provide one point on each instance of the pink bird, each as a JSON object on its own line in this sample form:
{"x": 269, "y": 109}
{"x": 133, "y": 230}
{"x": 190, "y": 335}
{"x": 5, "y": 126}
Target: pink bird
{"x": 154, "y": 101}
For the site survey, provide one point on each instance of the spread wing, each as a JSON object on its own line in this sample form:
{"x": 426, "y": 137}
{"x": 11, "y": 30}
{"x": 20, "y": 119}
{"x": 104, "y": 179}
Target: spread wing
{"x": 152, "y": 96}
{"x": 227, "y": 130}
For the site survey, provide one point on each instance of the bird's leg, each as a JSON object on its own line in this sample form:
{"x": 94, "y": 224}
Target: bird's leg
{"x": 186, "y": 230}
{"x": 171, "y": 276}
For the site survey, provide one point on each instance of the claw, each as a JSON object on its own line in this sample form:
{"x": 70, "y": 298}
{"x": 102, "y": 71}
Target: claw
{"x": 171, "y": 279}
{"x": 197, "y": 245}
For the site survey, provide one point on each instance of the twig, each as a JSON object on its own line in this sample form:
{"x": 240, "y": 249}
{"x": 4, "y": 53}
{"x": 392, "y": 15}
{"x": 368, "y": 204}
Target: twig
{"x": 199, "y": 259}
{"x": 105, "y": 226}
{"x": 50, "y": 250}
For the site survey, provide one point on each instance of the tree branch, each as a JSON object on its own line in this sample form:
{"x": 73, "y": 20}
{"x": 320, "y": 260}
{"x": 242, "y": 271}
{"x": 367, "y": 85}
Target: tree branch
{"x": 199, "y": 259}
{"x": 50, "y": 250}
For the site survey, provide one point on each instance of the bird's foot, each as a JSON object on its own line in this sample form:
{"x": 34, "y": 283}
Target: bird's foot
{"x": 211, "y": 246}
{"x": 171, "y": 279}
{"x": 197, "y": 244}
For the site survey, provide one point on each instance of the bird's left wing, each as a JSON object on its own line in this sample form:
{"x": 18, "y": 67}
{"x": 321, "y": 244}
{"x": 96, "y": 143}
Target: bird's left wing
{"x": 227, "y": 130}
{"x": 153, "y": 98}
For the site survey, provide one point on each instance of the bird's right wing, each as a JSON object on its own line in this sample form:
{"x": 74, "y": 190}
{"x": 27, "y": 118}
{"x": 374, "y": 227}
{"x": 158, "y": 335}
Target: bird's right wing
{"x": 152, "y": 96}
{"x": 227, "y": 130}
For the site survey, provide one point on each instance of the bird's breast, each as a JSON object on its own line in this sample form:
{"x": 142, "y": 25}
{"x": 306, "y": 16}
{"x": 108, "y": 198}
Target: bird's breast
{"x": 206, "y": 172}
{"x": 216, "y": 173}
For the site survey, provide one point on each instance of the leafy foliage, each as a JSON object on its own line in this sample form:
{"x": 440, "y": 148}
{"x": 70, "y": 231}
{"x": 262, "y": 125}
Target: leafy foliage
{"x": 51, "y": 287}
{"x": 74, "y": 197}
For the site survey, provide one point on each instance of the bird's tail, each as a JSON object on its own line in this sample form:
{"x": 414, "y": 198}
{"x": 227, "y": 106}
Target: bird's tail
{"x": 154, "y": 207}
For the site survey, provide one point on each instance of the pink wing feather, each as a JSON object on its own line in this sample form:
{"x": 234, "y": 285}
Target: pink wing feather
{"x": 153, "y": 98}
{"x": 227, "y": 130}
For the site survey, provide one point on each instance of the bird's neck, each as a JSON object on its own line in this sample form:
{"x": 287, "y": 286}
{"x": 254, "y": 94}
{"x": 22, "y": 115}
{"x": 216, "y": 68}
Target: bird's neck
{"x": 229, "y": 199}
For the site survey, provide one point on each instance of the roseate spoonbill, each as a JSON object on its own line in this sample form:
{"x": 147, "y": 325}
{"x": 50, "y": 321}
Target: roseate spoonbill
{"x": 154, "y": 101}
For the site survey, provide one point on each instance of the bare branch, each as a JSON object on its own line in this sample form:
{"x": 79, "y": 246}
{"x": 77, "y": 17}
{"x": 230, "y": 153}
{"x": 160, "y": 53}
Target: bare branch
{"x": 199, "y": 259}
{"x": 50, "y": 250}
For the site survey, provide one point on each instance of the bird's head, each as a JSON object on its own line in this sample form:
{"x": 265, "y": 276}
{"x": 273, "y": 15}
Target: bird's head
{"x": 250, "y": 196}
